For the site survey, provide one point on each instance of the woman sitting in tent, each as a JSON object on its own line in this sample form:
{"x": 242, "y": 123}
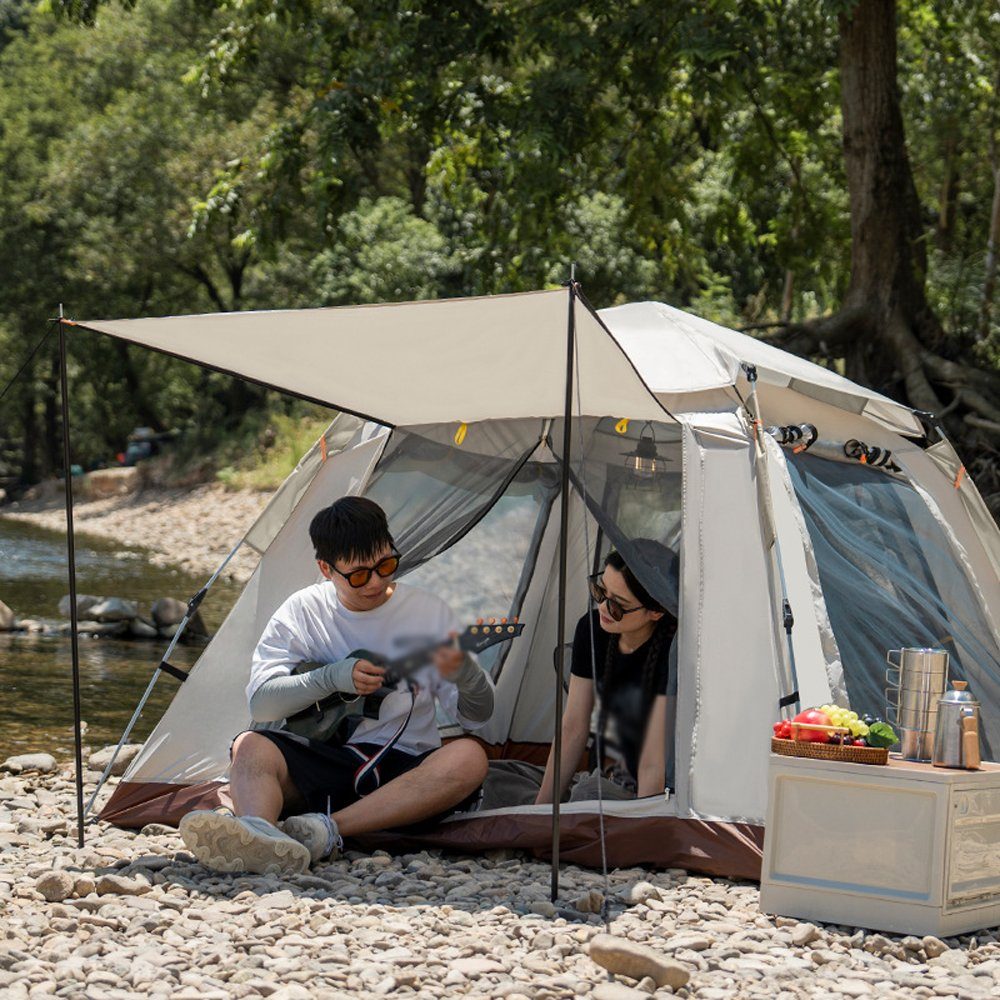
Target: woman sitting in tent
{"x": 630, "y": 658}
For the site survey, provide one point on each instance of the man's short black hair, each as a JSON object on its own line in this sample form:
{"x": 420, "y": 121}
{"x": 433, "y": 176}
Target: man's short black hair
{"x": 351, "y": 528}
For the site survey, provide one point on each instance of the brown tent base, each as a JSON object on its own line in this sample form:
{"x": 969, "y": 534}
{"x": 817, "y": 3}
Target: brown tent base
{"x": 731, "y": 850}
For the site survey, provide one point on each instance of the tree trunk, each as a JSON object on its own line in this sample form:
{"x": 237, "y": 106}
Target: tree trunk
{"x": 885, "y": 329}
{"x": 52, "y": 460}
{"x": 137, "y": 393}
{"x": 888, "y": 261}
{"x": 948, "y": 196}
{"x": 29, "y": 433}
{"x": 990, "y": 264}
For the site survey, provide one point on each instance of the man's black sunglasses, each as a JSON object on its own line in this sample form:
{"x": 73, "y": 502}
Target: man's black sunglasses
{"x": 357, "y": 578}
{"x": 615, "y": 608}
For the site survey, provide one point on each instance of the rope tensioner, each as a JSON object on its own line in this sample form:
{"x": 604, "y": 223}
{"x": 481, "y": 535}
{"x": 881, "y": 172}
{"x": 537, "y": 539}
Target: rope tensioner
{"x": 877, "y": 458}
{"x": 799, "y": 437}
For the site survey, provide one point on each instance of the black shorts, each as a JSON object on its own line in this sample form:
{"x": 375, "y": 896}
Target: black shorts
{"x": 324, "y": 774}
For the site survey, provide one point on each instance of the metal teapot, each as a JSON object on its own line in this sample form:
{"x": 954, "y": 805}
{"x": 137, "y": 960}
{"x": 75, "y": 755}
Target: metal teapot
{"x": 956, "y": 736}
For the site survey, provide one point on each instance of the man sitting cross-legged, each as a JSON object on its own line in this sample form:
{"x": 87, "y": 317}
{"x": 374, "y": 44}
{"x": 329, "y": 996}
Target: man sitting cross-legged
{"x": 329, "y": 790}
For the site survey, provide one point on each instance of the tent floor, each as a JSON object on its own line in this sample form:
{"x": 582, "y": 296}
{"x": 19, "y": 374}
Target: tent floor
{"x": 731, "y": 850}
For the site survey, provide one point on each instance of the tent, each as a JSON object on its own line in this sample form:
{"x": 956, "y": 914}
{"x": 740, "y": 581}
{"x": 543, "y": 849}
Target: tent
{"x": 453, "y": 417}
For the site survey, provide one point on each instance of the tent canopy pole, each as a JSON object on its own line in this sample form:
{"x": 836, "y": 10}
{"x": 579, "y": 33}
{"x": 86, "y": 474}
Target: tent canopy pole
{"x": 561, "y": 627}
{"x": 71, "y": 560}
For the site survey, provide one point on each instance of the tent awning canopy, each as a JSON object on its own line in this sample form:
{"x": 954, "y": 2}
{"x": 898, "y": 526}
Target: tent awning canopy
{"x": 471, "y": 359}
{"x": 492, "y": 358}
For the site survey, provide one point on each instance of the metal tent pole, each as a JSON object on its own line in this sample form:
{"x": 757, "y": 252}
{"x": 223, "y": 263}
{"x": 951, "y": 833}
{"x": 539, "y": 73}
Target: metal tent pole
{"x": 71, "y": 557}
{"x": 164, "y": 665}
{"x": 790, "y": 696}
{"x": 563, "y": 542}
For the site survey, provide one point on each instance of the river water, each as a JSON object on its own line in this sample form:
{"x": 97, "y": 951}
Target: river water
{"x": 36, "y": 674}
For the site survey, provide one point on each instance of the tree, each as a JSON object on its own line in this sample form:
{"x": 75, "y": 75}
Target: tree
{"x": 885, "y": 328}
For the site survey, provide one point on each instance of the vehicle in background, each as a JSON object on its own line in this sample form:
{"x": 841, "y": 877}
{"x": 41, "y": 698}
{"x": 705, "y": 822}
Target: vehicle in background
{"x": 144, "y": 443}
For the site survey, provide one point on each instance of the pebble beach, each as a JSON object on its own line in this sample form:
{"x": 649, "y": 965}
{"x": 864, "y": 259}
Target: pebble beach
{"x": 133, "y": 915}
{"x": 193, "y": 529}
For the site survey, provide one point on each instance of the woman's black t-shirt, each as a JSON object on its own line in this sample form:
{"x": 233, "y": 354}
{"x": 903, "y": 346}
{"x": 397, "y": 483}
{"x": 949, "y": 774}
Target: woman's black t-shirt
{"x": 625, "y": 706}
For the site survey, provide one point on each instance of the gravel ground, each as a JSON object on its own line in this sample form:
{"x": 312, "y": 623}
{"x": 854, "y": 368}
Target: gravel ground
{"x": 133, "y": 915}
{"x": 194, "y": 529}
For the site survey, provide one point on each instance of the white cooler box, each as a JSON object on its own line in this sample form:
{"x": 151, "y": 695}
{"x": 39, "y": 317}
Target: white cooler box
{"x": 906, "y": 847}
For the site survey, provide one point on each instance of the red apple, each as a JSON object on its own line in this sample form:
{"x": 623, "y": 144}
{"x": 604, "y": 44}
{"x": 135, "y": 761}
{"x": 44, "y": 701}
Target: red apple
{"x": 817, "y": 718}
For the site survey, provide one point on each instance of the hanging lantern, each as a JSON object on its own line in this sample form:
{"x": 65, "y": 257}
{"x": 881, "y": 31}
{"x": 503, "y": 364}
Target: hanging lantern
{"x": 645, "y": 462}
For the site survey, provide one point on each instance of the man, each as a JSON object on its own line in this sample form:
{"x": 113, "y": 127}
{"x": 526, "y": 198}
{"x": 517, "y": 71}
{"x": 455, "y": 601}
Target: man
{"x": 393, "y": 770}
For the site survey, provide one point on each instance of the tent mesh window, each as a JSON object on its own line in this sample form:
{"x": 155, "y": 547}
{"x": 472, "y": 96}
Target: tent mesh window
{"x": 631, "y": 501}
{"x": 891, "y": 579}
{"x": 468, "y": 517}
{"x": 629, "y": 504}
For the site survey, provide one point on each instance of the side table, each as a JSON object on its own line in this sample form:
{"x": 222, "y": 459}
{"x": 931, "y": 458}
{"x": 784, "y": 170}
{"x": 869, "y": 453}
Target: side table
{"x": 907, "y": 847}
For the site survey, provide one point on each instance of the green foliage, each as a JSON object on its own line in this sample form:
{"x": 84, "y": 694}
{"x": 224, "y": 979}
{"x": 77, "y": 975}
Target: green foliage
{"x": 265, "y": 460}
{"x": 170, "y": 156}
{"x": 383, "y": 253}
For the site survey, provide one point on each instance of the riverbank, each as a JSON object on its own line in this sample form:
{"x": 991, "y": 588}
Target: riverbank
{"x": 133, "y": 915}
{"x": 193, "y": 529}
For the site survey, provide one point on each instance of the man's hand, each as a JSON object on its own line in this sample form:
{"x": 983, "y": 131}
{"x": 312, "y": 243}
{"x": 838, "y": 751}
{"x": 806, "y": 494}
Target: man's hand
{"x": 449, "y": 659}
{"x": 366, "y": 677}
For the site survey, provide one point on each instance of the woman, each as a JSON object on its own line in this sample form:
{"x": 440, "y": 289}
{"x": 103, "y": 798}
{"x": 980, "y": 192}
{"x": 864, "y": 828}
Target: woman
{"x": 632, "y": 635}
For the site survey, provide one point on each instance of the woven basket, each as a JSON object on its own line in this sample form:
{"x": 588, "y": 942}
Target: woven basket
{"x": 830, "y": 751}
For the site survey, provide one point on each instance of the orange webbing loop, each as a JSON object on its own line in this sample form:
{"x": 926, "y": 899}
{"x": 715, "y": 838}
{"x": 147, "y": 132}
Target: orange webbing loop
{"x": 959, "y": 477}
{"x": 322, "y": 447}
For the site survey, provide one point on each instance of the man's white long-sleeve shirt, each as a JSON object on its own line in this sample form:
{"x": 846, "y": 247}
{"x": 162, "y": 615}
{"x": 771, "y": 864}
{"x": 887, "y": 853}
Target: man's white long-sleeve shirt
{"x": 313, "y": 626}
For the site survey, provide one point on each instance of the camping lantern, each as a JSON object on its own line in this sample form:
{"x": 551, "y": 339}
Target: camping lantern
{"x": 645, "y": 463}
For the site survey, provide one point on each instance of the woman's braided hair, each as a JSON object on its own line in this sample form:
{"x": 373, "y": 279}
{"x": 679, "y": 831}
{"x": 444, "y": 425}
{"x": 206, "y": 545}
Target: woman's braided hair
{"x": 663, "y": 632}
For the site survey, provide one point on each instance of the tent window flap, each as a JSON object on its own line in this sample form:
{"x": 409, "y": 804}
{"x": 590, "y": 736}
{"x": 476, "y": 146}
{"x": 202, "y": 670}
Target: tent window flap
{"x": 891, "y": 580}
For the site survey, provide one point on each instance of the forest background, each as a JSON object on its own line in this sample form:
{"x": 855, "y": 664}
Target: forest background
{"x": 823, "y": 173}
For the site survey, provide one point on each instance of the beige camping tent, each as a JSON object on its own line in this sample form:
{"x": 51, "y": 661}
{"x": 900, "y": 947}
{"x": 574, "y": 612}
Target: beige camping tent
{"x": 452, "y": 418}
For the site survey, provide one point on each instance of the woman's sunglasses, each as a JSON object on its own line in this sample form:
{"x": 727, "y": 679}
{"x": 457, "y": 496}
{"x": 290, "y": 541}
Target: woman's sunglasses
{"x": 615, "y": 608}
{"x": 359, "y": 577}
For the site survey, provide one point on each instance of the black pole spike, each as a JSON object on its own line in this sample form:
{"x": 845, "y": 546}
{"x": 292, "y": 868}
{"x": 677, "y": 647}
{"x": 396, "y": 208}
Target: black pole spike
{"x": 71, "y": 558}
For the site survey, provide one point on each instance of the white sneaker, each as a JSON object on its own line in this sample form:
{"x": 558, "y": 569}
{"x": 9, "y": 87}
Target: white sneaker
{"x": 227, "y": 843}
{"x": 317, "y": 832}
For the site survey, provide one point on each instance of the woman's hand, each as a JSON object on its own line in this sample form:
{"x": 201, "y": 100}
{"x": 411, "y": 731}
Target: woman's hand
{"x": 367, "y": 677}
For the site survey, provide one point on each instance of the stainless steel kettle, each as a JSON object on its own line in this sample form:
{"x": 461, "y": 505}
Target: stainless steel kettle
{"x": 956, "y": 736}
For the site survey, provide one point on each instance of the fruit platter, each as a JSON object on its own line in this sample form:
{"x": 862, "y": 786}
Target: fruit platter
{"x": 831, "y": 732}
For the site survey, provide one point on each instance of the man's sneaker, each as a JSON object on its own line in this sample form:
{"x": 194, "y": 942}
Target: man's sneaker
{"x": 227, "y": 843}
{"x": 317, "y": 832}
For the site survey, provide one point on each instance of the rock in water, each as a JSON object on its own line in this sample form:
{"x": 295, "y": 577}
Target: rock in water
{"x": 101, "y": 630}
{"x": 142, "y": 629}
{"x": 114, "y": 609}
{"x": 43, "y": 762}
{"x": 168, "y": 611}
{"x": 98, "y": 760}
{"x": 6, "y": 618}
{"x": 84, "y": 602}
{"x": 626, "y": 958}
